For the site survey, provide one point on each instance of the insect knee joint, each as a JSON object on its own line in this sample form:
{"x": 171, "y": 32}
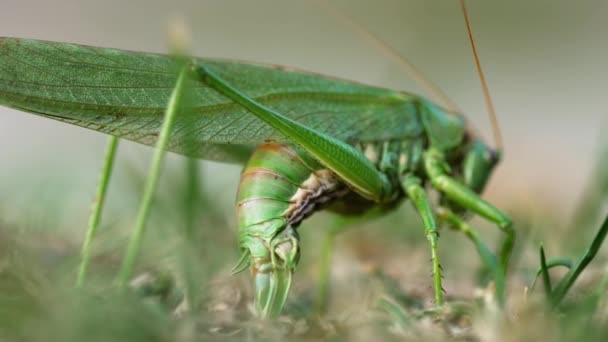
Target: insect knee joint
{"x": 441, "y": 181}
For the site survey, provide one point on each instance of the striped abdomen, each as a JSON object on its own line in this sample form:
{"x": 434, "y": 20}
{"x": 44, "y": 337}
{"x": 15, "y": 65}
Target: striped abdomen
{"x": 279, "y": 187}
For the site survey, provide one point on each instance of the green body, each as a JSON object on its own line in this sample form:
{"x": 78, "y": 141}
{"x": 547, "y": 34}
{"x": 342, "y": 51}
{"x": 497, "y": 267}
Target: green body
{"x": 281, "y": 185}
{"x": 362, "y": 144}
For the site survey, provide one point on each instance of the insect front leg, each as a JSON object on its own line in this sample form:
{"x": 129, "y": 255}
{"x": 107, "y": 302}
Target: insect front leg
{"x": 436, "y": 168}
{"x": 413, "y": 188}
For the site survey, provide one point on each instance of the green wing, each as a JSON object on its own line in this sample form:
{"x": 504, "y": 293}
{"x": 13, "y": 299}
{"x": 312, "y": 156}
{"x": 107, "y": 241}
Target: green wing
{"x": 124, "y": 93}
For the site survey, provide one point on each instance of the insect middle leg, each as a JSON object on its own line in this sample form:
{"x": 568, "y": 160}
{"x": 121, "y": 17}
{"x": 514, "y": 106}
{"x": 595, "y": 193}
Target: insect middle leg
{"x": 413, "y": 188}
{"x": 488, "y": 258}
{"x": 436, "y": 169}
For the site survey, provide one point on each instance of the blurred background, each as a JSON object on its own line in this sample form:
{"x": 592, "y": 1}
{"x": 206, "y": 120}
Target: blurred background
{"x": 544, "y": 60}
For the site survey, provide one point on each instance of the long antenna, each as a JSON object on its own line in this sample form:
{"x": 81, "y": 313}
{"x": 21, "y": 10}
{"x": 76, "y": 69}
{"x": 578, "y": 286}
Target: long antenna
{"x": 410, "y": 69}
{"x": 484, "y": 85}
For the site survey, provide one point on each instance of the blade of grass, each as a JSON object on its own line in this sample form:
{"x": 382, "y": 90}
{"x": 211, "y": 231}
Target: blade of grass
{"x": 545, "y": 272}
{"x": 400, "y": 317}
{"x": 565, "y": 262}
{"x": 97, "y": 209}
{"x": 563, "y": 287}
{"x": 595, "y": 194}
{"x": 601, "y": 292}
{"x": 159, "y": 153}
{"x": 192, "y": 205}
{"x": 323, "y": 283}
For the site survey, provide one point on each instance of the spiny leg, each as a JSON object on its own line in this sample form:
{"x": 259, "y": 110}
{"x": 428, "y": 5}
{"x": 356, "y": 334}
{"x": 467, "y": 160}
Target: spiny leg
{"x": 488, "y": 258}
{"x": 437, "y": 170}
{"x": 349, "y": 164}
{"x": 412, "y": 186}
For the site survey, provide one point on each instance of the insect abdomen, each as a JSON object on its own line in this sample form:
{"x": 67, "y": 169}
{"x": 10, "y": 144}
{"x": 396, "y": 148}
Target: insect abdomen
{"x": 280, "y": 186}
{"x": 277, "y": 182}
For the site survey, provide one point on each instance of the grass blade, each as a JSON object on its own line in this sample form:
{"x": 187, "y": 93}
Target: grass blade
{"x": 545, "y": 272}
{"x": 563, "y": 287}
{"x": 565, "y": 262}
{"x": 95, "y": 217}
{"x": 138, "y": 233}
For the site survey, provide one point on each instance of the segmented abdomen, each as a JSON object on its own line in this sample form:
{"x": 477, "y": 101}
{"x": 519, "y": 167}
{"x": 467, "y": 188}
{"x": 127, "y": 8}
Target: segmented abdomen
{"x": 280, "y": 186}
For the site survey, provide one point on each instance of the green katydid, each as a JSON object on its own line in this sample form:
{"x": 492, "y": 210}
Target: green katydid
{"x": 319, "y": 141}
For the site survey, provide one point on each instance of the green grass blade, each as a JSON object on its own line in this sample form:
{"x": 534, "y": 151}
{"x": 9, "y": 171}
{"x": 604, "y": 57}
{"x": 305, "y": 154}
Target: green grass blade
{"x": 321, "y": 301}
{"x": 563, "y": 287}
{"x": 551, "y": 263}
{"x": 138, "y": 233}
{"x": 192, "y": 204}
{"x": 399, "y": 315}
{"x": 544, "y": 270}
{"x": 595, "y": 195}
{"x": 97, "y": 208}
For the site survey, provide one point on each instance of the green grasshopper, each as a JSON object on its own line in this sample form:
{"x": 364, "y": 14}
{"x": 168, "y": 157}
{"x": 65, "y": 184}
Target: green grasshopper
{"x": 320, "y": 142}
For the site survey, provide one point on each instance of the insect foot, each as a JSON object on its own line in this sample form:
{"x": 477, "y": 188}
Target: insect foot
{"x": 272, "y": 264}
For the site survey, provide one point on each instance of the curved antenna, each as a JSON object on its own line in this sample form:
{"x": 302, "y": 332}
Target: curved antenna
{"x": 408, "y": 67}
{"x": 484, "y": 86}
